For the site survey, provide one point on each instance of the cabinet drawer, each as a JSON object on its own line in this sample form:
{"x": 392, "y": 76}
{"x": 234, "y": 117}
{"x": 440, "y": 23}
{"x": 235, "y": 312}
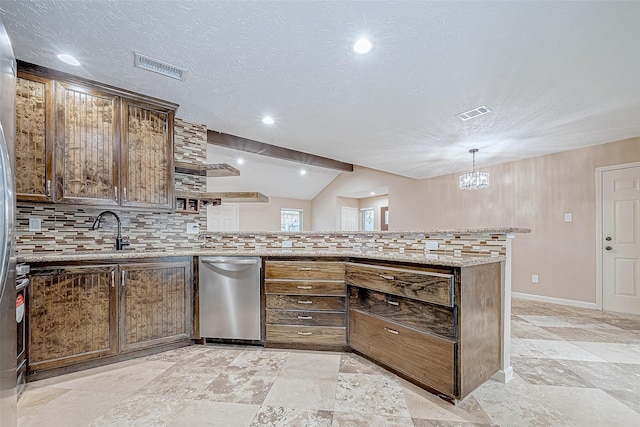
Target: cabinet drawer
{"x": 305, "y": 287}
{"x": 428, "y": 359}
{"x": 416, "y": 314}
{"x": 304, "y": 270}
{"x": 436, "y": 288}
{"x": 305, "y": 302}
{"x": 307, "y": 318}
{"x": 306, "y": 334}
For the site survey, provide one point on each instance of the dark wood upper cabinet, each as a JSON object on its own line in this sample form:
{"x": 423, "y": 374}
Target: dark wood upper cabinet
{"x": 83, "y": 142}
{"x": 34, "y": 138}
{"x": 147, "y": 155}
{"x": 86, "y": 140}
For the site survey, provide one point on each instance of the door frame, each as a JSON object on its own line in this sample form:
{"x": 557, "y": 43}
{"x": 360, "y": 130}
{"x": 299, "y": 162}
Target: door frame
{"x": 599, "y": 231}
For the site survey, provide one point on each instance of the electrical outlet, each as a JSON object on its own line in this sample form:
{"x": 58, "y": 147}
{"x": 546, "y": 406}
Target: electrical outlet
{"x": 568, "y": 217}
{"x": 35, "y": 224}
{"x": 287, "y": 243}
{"x": 193, "y": 228}
{"x": 534, "y": 278}
{"x": 430, "y": 246}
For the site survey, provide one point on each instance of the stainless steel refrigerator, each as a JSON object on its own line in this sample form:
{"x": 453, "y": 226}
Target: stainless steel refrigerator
{"x": 8, "y": 328}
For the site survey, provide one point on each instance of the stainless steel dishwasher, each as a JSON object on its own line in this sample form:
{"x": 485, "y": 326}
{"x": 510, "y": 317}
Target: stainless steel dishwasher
{"x": 230, "y": 298}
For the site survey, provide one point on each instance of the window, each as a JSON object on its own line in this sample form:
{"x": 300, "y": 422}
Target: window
{"x": 367, "y": 219}
{"x": 291, "y": 219}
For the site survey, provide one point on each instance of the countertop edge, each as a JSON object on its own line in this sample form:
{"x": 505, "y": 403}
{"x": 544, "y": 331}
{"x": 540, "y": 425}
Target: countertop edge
{"x": 426, "y": 259}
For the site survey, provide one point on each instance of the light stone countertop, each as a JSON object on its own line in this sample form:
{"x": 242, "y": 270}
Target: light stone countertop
{"x": 486, "y": 230}
{"x": 412, "y": 257}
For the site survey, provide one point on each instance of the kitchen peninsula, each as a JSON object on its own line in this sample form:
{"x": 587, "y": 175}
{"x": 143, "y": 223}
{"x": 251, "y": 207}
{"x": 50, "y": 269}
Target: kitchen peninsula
{"x": 431, "y": 305}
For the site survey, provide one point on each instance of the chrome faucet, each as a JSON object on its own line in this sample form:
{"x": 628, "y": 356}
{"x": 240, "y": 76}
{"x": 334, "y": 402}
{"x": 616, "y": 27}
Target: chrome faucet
{"x": 96, "y": 225}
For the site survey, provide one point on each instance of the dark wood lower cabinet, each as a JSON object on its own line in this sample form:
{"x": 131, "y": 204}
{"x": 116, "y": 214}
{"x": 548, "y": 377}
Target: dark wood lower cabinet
{"x": 151, "y": 314}
{"x": 72, "y": 315}
{"x": 79, "y": 312}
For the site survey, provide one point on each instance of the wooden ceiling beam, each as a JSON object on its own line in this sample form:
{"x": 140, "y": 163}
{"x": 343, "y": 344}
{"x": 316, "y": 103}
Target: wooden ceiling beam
{"x": 257, "y": 147}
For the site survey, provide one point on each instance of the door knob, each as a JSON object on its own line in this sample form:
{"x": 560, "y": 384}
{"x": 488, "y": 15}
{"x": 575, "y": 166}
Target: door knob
{"x": 608, "y": 239}
{"x": 608, "y": 248}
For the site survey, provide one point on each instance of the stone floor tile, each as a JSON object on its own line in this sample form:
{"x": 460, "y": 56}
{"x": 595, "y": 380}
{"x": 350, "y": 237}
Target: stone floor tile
{"x": 203, "y": 413}
{"x": 142, "y": 410}
{"x": 248, "y": 386}
{"x": 547, "y": 372}
{"x": 357, "y": 419}
{"x": 613, "y": 352}
{"x": 288, "y": 417}
{"x": 546, "y": 349}
{"x": 303, "y": 393}
{"x": 590, "y": 407}
{"x": 34, "y": 397}
{"x": 352, "y": 363}
{"x": 524, "y": 329}
{"x": 371, "y": 394}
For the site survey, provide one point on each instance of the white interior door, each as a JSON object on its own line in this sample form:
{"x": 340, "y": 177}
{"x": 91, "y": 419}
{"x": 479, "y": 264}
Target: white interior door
{"x": 349, "y": 219}
{"x": 621, "y": 240}
{"x": 223, "y": 217}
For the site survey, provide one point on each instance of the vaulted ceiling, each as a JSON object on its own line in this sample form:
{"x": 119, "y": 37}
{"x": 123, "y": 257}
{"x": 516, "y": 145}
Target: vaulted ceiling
{"x": 556, "y": 75}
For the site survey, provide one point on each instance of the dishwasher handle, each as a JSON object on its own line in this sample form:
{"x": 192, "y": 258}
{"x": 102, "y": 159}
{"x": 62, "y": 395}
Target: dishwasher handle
{"x": 230, "y": 261}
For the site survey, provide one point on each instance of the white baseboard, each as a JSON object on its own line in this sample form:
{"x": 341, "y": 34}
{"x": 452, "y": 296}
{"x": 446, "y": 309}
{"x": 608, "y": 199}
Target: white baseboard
{"x": 552, "y": 300}
{"x": 504, "y": 375}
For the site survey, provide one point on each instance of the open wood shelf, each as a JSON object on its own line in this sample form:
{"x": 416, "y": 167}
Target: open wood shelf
{"x": 208, "y": 170}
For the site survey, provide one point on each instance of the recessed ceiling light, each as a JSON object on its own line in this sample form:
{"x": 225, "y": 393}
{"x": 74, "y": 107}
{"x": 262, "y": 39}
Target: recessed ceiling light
{"x": 68, "y": 59}
{"x": 268, "y": 120}
{"x": 240, "y": 161}
{"x": 373, "y": 193}
{"x": 303, "y": 172}
{"x": 362, "y": 46}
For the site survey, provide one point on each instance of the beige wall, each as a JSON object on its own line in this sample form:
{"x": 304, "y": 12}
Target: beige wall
{"x": 533, "y": 193}
{"x": 405, "y": 197}
{"x": 266, "y": 216}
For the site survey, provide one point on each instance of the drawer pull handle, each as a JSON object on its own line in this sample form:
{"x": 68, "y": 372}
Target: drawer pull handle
{"x": 396, "y": 303}
{"x": 305, "y": 317}
{"x": 305, "y": 302}
{"x": 392, "y": 331}
{"x": 305, "y": 333}
{"x": 305, "y": 287}
{"x": 384, "y": 276}
{"x": 305, "y": 268}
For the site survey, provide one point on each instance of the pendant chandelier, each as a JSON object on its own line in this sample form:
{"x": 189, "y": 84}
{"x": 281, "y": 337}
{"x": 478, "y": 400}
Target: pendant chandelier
{"x": 476, "y": 179}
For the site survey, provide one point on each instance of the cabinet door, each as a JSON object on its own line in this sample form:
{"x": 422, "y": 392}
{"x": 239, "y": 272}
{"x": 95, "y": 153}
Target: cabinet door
{"x": 147, "y": 156}
{"x": 72, "y": 315}
{"x": 34, "y": 138}
{"x": 155, "y": 305}
{"x": 87, "y": 141}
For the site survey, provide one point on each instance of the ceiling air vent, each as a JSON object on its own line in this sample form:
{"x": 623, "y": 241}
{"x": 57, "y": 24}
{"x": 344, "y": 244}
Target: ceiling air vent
{"x": 479, "y": 111}
{"x": 159, "y": 67}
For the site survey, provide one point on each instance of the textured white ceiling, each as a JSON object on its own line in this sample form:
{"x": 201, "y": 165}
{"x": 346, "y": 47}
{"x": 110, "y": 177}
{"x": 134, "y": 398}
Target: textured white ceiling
{"x": 557, "y": 75}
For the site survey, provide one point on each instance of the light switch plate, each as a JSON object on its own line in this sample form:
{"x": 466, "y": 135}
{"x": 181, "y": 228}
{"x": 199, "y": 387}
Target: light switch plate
{"x": 35, "y": 224}
{"x": 534, "y": 278}
{"x": 568, "y": 217}
{"x": 193, "y": 228}
{"x": 431, "y": 245}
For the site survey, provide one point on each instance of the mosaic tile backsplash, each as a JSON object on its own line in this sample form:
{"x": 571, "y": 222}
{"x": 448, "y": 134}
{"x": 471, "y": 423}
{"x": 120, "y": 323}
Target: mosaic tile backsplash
{"x": 462, "y": 244}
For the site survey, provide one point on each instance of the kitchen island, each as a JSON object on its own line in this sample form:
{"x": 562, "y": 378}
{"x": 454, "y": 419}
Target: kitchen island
{"x": 440, "y": 297}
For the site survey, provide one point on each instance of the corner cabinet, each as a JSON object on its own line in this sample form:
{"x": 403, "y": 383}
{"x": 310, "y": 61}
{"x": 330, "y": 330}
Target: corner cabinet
{"x": 83, "y": 142}
{"x": 436, "y": 326}
{"x": 79, "y": 312}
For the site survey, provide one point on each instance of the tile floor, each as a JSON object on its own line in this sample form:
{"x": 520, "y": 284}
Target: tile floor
{"x": 573, "y": 367}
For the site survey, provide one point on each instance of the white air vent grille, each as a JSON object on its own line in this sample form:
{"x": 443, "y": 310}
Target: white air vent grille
{"x": 159, "y": 67}
{"x": 479, "y": 111}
